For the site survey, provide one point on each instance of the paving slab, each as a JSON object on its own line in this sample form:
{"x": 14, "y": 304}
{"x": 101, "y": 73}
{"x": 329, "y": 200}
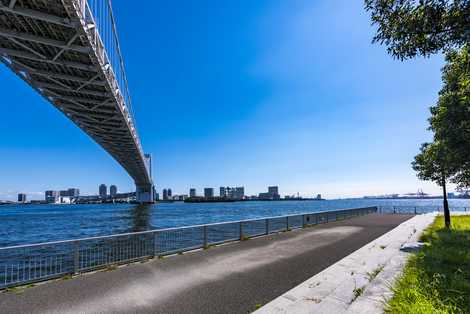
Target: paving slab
{"x": 360, "y": 282}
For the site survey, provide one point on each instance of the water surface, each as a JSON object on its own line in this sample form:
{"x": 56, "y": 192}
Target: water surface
{"x": 24, "y": 224}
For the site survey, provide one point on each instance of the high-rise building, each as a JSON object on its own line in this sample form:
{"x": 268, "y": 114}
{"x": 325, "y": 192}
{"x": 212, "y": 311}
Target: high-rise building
{"x": 192, "y": 192}
{"x": 222, "y": 192}
{"x": 238, "y": 193}
{"x": 169, "y": 193}
{"x": 208, "y": 192}
{"x": 21, "y": 198}
{"x": 165, "y": 194}
{"x": 113, "y": 190}
{"x": 72, "y": 192}
{"x": 273, "y": 190}
{"x": 103, "y": 190}
{"x": 52, "y": 196}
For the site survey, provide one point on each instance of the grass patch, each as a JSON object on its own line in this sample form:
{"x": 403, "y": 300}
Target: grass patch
{"x": 111, "y": 267}
{"x": 371, "y": 276}
{"x": 357, "y": 293}
{"x": 437, "y": 278}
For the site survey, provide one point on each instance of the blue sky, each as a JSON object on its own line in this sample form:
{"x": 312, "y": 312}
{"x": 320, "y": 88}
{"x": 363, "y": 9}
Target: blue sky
{"x": 253, "y": 93}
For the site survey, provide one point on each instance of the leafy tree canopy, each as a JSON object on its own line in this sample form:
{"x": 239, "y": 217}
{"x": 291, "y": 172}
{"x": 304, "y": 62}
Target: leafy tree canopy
{"x": 433, "y": 163}
{"x": 420, "y": 27}
{"x": 450, "y": 119}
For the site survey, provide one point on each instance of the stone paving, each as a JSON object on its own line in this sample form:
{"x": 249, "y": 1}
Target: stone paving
{"x": 359, "y": 283}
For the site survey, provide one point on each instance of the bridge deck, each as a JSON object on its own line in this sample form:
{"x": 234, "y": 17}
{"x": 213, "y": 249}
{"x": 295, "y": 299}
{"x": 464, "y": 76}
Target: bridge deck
{"x": 58, "y": 49}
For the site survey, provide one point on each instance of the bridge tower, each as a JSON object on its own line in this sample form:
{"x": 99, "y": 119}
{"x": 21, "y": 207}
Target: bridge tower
{"x": 145, "y": 191}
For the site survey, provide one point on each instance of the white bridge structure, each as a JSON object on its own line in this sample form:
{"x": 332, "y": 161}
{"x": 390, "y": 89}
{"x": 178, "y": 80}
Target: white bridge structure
{"x": 68, "y": 51}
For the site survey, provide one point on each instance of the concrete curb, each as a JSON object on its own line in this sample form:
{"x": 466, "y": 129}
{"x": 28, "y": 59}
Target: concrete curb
{"x": 360, "y": 282}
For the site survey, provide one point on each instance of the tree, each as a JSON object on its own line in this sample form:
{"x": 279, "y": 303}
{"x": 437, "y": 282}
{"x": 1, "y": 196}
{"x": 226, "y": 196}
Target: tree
{"x": 448, "y": 157}
{"x": 410, "y": 27}
{"x": 450, "y": 118}
{"x": 435, "y": 164}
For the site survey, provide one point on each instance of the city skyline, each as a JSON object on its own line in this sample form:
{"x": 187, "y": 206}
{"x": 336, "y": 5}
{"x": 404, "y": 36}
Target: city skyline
{"x": 264, "y": 104}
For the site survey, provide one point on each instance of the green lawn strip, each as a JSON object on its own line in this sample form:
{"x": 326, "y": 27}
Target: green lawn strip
{"x": 437, "y": 278}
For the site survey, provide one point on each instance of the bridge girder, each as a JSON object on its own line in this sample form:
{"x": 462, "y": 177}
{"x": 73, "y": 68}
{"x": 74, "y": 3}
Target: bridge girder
{"x": 58, "y": 50}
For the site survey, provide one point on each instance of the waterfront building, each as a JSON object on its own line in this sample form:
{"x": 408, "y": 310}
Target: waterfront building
{"x": 103, "y": 191}
{"x": 21, "y": 198}
{"x": 236, "y": 193}
{"x": 179, "y": 197}
{"x": 157, "y": 196}
{"x": 273, "y": 190}
{"x": 113, "y": 191}
{"x": 272, "y": 194}
{"x": 192, "y": 192}
{"x": 169, "y": 193}
{"x": 71, "y": 192}
{"x": 318, "y": 197}
{"x": 165, "y": 194}
{"x": 52, "y": 197}
{"x": 208, "y": 192}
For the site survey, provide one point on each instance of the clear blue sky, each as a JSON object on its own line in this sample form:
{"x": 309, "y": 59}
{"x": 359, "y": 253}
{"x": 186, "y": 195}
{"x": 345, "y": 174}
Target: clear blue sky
{"x": 253, "y": 93}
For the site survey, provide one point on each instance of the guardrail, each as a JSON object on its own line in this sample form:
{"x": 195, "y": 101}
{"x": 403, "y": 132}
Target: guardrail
{"x": 402, "y": 209}
{"x": 25, "y": 264}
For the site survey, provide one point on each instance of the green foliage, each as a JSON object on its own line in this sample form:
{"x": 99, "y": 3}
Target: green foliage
{"x": 448, "y": 157}
{"x": 437, "y": 278}
{"x": 371, "y": 275}
{"x": 450, "y": 120}
{"x": 357, "y": 293}
{"x": 410, "y": 28}
{"x": 432, "y": 163}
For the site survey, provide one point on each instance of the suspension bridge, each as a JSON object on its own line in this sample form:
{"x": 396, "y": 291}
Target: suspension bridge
{"x": 69, "y": 52}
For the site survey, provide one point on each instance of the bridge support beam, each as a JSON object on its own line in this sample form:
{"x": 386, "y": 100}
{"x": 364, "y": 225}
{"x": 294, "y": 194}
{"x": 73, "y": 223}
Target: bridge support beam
{"x": 145, "y": 194}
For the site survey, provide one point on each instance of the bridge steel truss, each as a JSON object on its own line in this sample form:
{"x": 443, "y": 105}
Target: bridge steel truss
{"x": 68, "y": 51}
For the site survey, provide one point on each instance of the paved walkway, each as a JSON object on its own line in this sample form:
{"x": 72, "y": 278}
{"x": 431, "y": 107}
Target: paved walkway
{"x": 360, "y": 282}
{"x": 231, "y": 278}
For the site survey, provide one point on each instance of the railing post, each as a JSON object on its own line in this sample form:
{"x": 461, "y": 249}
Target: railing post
{"x": 241, "y": 230}
{"x": 152, "y": 254}
{"x": 205, "y": 235}
{"x": 303, "y": 221}
{"x": 415, "y": 210}
{"x": 76, "y": 257}
{"x": 287, "y": 223}
{"x": 327, "y": 217}
{"x": 267, "y": 226}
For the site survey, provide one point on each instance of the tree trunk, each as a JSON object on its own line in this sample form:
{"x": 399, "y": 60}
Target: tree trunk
{"x": 446, "y": 204}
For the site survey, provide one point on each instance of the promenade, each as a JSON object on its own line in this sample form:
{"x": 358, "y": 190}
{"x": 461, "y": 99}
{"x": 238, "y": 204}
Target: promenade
{"x": 231, "y": 278}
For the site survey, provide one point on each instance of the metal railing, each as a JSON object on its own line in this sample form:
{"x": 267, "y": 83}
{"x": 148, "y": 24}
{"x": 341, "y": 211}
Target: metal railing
{"x": 403, "y": 209}
{"x": 25, "y": 264}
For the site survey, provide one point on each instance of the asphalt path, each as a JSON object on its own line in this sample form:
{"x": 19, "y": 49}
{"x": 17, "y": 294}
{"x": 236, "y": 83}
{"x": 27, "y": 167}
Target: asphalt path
{"x": 231, "y": 278}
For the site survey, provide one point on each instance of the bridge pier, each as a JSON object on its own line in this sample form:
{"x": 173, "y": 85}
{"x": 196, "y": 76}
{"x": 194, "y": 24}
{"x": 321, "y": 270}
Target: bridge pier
{"x": 145, "y": 194}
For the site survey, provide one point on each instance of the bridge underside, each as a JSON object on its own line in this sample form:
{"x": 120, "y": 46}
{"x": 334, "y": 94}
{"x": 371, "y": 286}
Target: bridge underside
{"x": 55, "y": 47}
